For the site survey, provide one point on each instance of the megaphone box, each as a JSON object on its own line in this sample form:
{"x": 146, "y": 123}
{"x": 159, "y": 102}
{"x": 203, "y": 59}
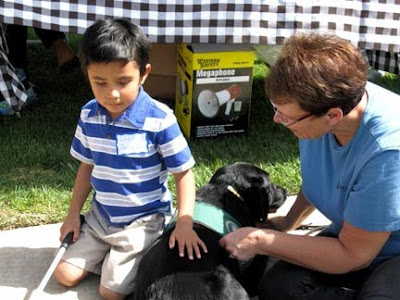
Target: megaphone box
{"x": 213, "y": 89}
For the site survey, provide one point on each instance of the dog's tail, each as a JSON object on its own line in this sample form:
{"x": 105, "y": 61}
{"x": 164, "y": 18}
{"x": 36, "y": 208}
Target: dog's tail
{"x": 218, "y": 284}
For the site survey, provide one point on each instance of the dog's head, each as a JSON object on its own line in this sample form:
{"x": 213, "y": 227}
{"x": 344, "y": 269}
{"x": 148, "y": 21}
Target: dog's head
{"x": 256, "y": 195}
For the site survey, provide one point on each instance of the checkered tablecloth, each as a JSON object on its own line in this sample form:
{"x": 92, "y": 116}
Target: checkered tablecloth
{"x": 11, "y": 88}
{"x": 371, "y": 25}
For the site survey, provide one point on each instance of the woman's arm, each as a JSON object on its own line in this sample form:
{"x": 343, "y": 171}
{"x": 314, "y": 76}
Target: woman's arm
{"x": 352, "y": 250}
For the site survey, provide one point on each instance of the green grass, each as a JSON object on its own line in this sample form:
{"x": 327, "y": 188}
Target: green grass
{"x": 37, "y": 172}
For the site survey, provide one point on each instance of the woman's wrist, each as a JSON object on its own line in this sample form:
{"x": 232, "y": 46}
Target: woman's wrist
{"x": 260, "y": 238}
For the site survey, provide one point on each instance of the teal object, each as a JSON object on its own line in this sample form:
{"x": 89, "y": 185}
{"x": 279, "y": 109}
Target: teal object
{"x": 5, "y": 108}
{"x": 211, "y": 217}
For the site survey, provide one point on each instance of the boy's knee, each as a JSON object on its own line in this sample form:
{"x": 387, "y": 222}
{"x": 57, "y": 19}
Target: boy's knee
{"x": 68, "y": 274}
{"x": 106, "y": 293}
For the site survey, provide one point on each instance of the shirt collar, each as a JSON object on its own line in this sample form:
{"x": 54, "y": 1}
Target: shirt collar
{"x": 135, "y": 114}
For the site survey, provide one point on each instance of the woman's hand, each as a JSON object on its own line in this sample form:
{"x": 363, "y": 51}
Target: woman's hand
{"x": 242, "y": 243}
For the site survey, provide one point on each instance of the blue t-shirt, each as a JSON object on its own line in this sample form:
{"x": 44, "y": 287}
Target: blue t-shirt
{"x": 359, "y": 182}
{"x": 132, "y": 156}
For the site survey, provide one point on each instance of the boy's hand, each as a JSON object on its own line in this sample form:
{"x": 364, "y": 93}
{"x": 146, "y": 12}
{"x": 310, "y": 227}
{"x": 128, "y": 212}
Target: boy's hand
{"x": 186, "y": 238}
{"x": 71, "y": 224}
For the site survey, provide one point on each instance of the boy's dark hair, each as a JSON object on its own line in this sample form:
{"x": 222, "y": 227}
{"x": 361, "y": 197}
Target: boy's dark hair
{"x": 114, "y": 40}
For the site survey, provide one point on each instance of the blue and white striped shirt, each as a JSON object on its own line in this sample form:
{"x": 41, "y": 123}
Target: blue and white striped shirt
{"x": 132, "y": 156}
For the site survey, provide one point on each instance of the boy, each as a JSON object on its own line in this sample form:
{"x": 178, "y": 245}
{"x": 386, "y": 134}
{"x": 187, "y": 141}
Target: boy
{"x": 126, "y": 142}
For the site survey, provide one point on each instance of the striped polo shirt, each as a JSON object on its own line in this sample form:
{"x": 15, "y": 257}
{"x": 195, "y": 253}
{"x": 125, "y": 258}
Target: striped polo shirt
{"x": 132, "y": 156}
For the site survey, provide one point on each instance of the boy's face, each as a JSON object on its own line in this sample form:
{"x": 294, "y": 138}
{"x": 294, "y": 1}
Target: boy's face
{"x": 116, "y": 85}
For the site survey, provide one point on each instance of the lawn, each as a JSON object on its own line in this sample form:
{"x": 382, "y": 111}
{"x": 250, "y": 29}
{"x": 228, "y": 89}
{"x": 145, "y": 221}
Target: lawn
{"x": 37, "y": 173}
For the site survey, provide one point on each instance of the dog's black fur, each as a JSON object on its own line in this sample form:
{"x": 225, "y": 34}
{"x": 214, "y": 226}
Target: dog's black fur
{"x": 163, "y": 275}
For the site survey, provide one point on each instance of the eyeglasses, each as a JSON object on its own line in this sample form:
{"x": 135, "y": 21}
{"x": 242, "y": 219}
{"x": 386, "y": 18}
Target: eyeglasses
{"x": 285, "y": 121}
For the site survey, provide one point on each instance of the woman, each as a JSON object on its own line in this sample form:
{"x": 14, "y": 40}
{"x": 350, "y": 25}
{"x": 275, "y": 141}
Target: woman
{"x": 349, "y": 138}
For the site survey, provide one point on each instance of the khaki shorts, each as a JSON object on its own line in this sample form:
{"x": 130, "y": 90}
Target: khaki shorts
{"x": 113, "y": 252}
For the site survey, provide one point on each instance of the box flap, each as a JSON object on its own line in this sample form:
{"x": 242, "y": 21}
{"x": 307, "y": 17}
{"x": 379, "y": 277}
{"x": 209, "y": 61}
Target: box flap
{"x": 163, "y": 58}
{"x": 200, "y": 48}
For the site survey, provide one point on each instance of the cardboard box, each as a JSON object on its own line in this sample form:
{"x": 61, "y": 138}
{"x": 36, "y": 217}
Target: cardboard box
{"x": 213, "y": 89}
{"x": 161, "y": 82}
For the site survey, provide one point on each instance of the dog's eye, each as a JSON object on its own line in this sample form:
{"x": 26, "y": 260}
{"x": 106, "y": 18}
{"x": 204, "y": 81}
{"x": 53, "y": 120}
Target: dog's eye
{"x": 261, "y": 220}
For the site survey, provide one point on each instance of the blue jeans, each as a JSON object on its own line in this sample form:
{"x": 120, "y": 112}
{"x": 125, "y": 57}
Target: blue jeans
{"x": 285, "y": 281}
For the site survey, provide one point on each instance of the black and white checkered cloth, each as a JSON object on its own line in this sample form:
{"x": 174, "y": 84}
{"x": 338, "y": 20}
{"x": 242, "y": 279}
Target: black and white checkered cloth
{"x": 371, "y": 25}
{"x": 11, "y": 88}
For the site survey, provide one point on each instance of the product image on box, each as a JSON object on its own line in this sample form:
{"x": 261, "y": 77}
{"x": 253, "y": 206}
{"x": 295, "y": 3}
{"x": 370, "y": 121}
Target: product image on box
{"x": 183, "y": 96}
{"x": 209, "y": 102}
{"x": 213, "y": 90}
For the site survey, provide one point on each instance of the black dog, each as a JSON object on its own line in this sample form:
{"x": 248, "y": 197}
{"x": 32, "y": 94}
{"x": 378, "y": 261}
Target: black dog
{"x": 239, "y": 192}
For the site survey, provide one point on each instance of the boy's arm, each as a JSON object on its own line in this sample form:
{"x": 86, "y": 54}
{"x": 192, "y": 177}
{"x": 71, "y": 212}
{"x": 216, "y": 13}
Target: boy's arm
{"x": 80, "y": 193}
{"x": 183, "y": 232}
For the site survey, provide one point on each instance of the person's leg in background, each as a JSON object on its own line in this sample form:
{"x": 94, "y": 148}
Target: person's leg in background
{"x": 66, "y": 57}
{"x": 16, "y": 36}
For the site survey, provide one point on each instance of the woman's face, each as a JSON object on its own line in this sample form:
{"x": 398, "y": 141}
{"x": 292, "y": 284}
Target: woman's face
{"x": 302, "y": 124}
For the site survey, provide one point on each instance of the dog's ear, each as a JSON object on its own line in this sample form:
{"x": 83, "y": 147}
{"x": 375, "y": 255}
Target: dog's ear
{"x": 257, "y": 198}
{"x": 236, "y": 207}
{"x": 276, "y": 197}
{"x": 263, "y": 199}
